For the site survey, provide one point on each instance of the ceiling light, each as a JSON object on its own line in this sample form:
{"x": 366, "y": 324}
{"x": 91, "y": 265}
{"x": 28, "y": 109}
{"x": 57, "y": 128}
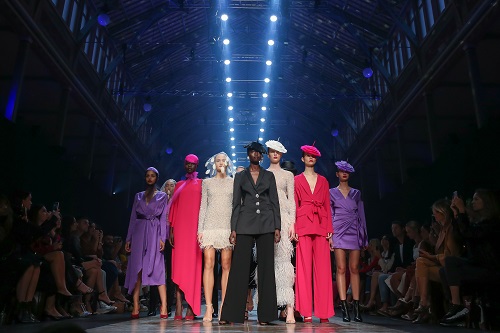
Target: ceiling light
{"x": 233, "y": 154}
{"x": 232, "y": 147}
{"x": 231, "y": 129}
{"x": 229, "y": 94}
{"x": 227, "y": 62}
{"x": 263, "y": 108}
{"x": 234, "y": 161}
{"x": 231, "y": 119}
{"x": 269, "y": 42}
{"x": 228, "y": 79}
{"x": 103, "y": 19}
{"x": 230, "y": 107}
{"x": 224, "y": 17}
{"x": 260, "y": 139}
{"x": 273, "y": 18}
{"x": 269, "y": 62}
{"x": 226, "y": 41}
{"x": 266, "y": 80}
{"x": 367, "y": 72}
{"x": 263, "y": 119}
{"x": 262, "y": 130}
{"x": 265, "y": 95}
{"x": 232, "y": 138}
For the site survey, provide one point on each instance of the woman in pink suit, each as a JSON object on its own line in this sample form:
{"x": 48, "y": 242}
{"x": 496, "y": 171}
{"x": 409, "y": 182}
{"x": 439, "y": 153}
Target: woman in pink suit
{"x": 349, "y": 236}
{"x": 186, "y": 252}
{"x": 313, "y": 228}
{"x": 145, "y": 241}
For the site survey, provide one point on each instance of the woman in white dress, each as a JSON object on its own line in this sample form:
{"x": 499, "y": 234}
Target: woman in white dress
{"x": 214, "y": 224}
{"x": 283, "y": 251}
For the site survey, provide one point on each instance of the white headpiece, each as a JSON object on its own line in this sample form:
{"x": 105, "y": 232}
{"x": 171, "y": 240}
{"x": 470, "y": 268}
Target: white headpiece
{"x": 211, "y": 167}
{"x": 276, "y": 145}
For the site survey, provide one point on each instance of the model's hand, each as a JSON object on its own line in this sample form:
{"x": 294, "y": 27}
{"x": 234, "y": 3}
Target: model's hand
{"x": 232, "y": 237}
{"x": 200, "y": 238}
{"x": 171, "y": 237}
{"x": 277, "y": 236}
{"x": 329, "y": 235}
{"x": 330, "y": 242}
{"x": 291, "y": 233}
{"x": 162, "y": 245}
{"x": 127, "y": 246}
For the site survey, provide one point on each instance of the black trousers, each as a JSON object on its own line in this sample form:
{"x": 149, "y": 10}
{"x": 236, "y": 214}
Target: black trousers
{"x": 154, "y": 296}
{"x": 233, "y": 309}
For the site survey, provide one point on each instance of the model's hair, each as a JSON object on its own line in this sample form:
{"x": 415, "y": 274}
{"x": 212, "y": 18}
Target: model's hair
{"x": 289, "y": 166}
{"x": 443, "y": 206}
{"x": 491, "y": 206}
{"x": 171, "y": 180}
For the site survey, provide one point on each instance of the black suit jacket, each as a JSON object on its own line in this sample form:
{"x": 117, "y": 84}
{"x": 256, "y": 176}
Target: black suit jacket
{"x": 407, "y": 253}
{"x": 255, "y": 206}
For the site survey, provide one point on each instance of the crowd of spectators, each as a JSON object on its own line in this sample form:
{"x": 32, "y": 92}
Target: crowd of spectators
{"x": 454, "y": 258}
{"x": 55, "y": 267}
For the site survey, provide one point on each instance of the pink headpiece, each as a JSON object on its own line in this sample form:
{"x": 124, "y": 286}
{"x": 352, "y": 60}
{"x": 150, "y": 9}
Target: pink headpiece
{"x": 192, "y": 158}
{"x": 311, "y": 150}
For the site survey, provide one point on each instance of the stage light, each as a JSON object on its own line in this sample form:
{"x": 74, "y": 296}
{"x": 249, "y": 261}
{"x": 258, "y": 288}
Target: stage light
{"x": 227, "y": 62}
{"x": 367, "y": 72}
{"x": 231, "y": 129}
{"x": 269, "y": 62}
{"x": 262, "y": 119}
{"x": 230, "y": 107}
{"x": 229, "y": 94}
{"x": 231, "y": 119}
{"x": 226, "y": 41}
{"x": 224, "y": 17}
{"x": 232, "y": 138}
{"x": 265, "y": 95}
{"x": 273, "y": 18}
{"x": 232, "y": 147}
{"x": 228, "y": 79}
{"x": 270, "y": 42}
{"x": 266, "y": 80}
{"x": 233, "y": 154}
{"x": 263, "y": 108}
{"x": 103, "y": 19}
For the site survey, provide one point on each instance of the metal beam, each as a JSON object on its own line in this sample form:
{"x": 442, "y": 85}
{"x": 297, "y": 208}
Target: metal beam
{"x": 400, "y": 24}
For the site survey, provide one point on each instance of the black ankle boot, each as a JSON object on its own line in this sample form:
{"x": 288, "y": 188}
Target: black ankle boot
{"x": 356, "y": 312}
{"x": 345, "y": 312}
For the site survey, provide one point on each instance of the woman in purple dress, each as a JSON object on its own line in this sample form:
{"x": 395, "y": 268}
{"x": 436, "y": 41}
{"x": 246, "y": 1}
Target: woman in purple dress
{"x": 145, "y": 241}
{"x": 349, "y": 235}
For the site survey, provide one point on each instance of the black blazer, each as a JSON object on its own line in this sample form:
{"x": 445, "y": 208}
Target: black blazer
{"x": 255, "y": 206}
{"x": 407, "y": 253}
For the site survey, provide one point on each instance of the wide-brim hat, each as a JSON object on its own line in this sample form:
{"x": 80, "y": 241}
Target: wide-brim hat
{"x": 344, "y": 166}
{"x": 276, "y": 145}
{"x": 257, "y": 146}
{"x": 311, "y": 150}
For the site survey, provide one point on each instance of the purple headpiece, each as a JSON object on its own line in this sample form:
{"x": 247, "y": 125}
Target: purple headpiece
{"x": 344, "y": 166}
{"x": 154, "y": 170}
{"x": 311, "y": 150}
{"x": 192, "y": 158}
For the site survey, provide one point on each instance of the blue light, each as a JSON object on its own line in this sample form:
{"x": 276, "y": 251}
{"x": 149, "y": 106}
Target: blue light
{"x": 103, "y": 19}
{"x": 169, "y": 150}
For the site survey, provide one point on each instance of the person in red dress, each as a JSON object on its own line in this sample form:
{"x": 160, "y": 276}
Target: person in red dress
{"x": 186, "y": 253}
{"x": 313, "y": 228}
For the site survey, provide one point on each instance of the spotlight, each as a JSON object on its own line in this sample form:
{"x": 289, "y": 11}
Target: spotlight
{"x": 228, "y": 79}
{"x": 114, "y": 193}
{"x": 234, "y": 161}
{"x": 169, "y": 150}
{"x": 233, "y": 154}
{"x": 226, "y": 41}
{"x": 270, "y": 42}
{"x": 273, "y": 18}
{"x": 230, "y": 107}
{"x": 263, "y": 108}
{"x": 231, "y": 119}
{"x": 262, "y": 130}
{"x": 367, "y": 72}
{"x": 232, "y": 138}
{"x": 262, "y": 119}
{"x": 266, "y": 80}
{"x": 232, "y": 147}
{"x": 224, "y": 17}
{"x": 260, "y": 139}
{"x": 103, "y": 19}
{"x": 265, "y": 95}
{"x": 227, "y": 62}
{"x": 335, "y": 132}
{"x": 229, "y": 94}
{"x": 231, "y": 129}
{"x": 269, "y": 62}
{"x": 147, "y": 107}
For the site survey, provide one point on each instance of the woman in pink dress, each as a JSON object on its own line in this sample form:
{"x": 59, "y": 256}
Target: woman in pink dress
{"x": 349, "y": 235}
{"x": 145, "y": 241}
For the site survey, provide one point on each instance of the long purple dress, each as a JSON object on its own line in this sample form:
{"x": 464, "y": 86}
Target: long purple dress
{"x": 148, "y": 225}
{"x": 349, "y": 223}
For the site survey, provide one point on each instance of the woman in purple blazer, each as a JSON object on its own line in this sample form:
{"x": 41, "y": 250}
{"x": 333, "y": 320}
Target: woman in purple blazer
{"x": 145, "y": 241}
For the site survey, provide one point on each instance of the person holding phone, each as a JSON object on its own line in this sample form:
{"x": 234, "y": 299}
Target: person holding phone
{"x": 349, "y": 236}
{"x": 145, "y": 242}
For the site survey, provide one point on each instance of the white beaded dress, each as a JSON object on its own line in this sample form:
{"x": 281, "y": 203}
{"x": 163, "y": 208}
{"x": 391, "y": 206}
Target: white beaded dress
{"x": 215, "y": 212}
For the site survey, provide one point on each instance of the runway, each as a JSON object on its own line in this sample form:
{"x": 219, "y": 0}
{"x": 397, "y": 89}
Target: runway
{"x": 121, "y": 323}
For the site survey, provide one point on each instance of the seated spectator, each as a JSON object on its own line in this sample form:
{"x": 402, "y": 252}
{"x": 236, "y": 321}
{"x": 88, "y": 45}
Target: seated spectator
{"x": 371, "y": 264}
{"x": 428, "y": 265}
{"x": 111, "y": 262}
{"x": 385, "y": 263}
{"x": 20, "y": 267}
{"x": 481, "y": 231}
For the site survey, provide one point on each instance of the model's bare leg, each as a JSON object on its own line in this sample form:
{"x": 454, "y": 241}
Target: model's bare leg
{"x": 208, "y": 281}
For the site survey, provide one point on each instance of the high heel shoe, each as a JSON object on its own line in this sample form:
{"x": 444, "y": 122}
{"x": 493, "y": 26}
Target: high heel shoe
{"x": 208, "y": 306}
{"x": 308, "y": 319}
{"x": 134, "y": 316}
{"x": 108, "y": 303}
{"x": 84, "y": 290}
{"x": 345, "y": 312}
{"x": 356, "y": 313}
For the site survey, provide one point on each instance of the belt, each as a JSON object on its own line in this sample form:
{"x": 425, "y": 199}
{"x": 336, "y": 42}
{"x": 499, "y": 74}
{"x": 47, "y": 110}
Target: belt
{"x": 140, "y": 216}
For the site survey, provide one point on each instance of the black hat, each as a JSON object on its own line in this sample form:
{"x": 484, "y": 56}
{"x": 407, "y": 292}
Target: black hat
{"x": 257, "y": 146}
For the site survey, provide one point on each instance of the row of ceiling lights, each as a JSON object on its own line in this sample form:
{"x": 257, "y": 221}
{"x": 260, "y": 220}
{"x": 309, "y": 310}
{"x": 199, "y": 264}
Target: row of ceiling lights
{"x": 229, "y": 94}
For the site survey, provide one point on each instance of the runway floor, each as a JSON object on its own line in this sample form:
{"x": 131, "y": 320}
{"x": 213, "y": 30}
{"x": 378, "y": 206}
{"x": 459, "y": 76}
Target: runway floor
{"x": 121, "y": 323}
